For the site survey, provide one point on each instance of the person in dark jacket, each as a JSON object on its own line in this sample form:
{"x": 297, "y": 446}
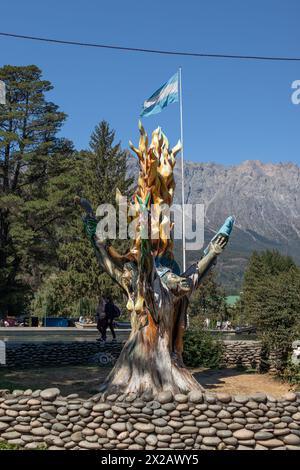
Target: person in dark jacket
{"x": 101, "y": 319}
{"x": 111, "y": 312}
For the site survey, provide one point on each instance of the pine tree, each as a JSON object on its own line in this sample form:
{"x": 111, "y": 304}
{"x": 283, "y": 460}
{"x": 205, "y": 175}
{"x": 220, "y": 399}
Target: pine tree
{"x": 208, "y": 301}
{"x": 31, "y": 155}
{"x": 271, "y": 298}
{"x": 261, "y": 268}
{"x": 106, "y": 168}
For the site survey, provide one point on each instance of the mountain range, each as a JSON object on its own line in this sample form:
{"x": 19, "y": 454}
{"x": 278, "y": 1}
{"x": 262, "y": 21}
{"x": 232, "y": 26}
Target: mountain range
{"x": 264, "y": 199}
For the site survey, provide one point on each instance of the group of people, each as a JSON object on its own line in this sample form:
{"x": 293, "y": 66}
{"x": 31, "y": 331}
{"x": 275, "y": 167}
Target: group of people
{"x": 225, "y": 325}
{"x": 10, "y": 321}
{"x": 106, "y": 313}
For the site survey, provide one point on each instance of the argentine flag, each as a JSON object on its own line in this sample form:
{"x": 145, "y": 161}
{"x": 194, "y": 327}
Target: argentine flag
{"x": 166, "y": 94}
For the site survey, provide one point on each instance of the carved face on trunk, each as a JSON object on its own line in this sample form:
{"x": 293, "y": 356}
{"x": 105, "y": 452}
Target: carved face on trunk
{"x": 176, "y": 284}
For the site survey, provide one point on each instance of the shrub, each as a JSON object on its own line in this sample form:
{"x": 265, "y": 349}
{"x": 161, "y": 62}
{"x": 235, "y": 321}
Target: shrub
{"x": 201, "y": 349}
{"x": 291, "y": 374}
{"x": 271, "y": 302}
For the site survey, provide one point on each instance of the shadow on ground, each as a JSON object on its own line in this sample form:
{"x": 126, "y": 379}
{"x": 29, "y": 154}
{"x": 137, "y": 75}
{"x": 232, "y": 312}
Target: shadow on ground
{"x": 86, "y": 380}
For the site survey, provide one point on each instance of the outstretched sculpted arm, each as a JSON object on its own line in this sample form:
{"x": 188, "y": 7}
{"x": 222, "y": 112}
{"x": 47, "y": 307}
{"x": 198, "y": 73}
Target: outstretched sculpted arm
{"x": 198, "y": 271}
{"x": 216, "y": 246}
{"x": 185, "y": 284}
{"x": 100, "y": 247}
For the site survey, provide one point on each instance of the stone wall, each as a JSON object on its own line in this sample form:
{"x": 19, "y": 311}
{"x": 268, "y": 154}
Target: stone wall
{"x": 28, "y": 355}
{"x": 242, "y": 354}
{"x": 246, "y": 354}
{"x": 194, "y": 421}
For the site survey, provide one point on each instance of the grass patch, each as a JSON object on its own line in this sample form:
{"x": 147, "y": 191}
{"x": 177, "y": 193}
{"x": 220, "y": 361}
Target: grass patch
{"x": 6, "y": 446}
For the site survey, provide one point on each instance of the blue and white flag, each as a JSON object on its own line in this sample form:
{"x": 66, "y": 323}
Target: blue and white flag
{"x": 166, "y": 94}
{"x": 2, "y": 92}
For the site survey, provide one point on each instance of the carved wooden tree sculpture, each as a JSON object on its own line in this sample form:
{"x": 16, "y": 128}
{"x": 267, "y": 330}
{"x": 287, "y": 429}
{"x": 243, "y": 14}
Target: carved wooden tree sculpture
{"x": 158, "y": 296}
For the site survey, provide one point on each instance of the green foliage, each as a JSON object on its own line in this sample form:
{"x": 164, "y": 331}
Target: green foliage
{"x": 66, "y": 294}
{"x": 33, "y": 164}
{"x": 208, "y": 301}
{"x": 201, "y": 349}
{"x": 271, "y": 299}
{"x": 104, "y": 167}
{"x": 46, "y": 301}
{"x": 86, "y": 307}
{"x": 77, "y": 283}
{"x": 6, "y": 446}
{"x": 291, "y": 374}
{"x": 261, "y": 267}
{"x": 46, "y": 261}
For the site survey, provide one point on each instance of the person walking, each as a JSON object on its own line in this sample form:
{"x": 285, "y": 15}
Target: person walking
{"x": 112, "y": 312}
{"x": 107, "y": 311}
{"x": 101, "y": 319}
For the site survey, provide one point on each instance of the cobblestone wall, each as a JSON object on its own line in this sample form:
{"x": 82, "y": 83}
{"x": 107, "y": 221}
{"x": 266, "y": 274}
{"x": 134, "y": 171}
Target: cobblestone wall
{"x": 27, "y": 354}
{"x": 235, "y": 353}
{"x": 242, "y": 353}
{"x": 38, "y": 418}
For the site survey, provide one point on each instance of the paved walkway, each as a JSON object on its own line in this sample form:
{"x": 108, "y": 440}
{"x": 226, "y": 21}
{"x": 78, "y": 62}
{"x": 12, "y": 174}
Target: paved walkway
{"x": 28, "y": 334}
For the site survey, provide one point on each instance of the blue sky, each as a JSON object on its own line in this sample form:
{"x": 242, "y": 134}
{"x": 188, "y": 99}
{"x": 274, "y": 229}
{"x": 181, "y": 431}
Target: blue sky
{"x": 233, "y": 110}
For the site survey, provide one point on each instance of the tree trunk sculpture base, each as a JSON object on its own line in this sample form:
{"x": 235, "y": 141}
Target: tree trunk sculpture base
{"x": 146, "y": 366}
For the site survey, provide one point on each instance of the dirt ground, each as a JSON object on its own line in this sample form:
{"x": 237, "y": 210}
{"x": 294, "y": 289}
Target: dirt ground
{"x": 237, "y": 382}
{"x": 85, "y": 380}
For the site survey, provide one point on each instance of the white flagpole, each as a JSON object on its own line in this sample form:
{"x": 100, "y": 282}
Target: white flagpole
{"x": 182, "y": 173}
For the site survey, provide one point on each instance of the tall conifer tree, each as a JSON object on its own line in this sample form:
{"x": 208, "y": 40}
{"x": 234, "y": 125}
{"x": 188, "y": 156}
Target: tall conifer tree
{"x": 31, "y": 154}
